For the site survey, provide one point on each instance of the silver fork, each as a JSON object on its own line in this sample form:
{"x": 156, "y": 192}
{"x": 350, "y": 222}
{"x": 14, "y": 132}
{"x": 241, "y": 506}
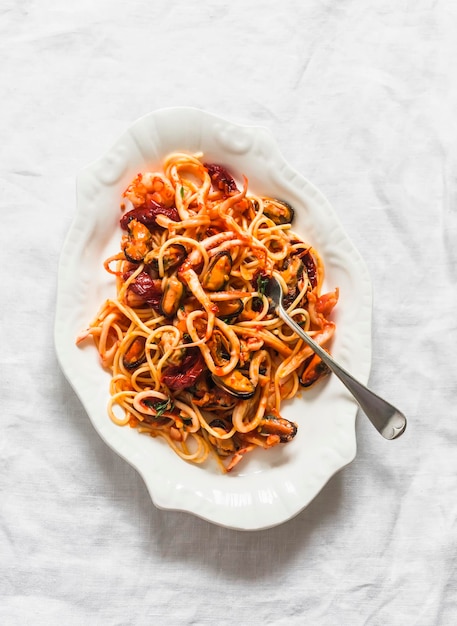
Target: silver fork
{"x": 387, "y": 420}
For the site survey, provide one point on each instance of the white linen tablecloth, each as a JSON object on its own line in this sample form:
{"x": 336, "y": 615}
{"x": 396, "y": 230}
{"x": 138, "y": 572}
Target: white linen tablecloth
{"x": 362, "y": 99}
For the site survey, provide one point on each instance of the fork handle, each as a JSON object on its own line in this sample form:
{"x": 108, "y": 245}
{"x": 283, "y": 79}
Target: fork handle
{"x": 387, "y": 420}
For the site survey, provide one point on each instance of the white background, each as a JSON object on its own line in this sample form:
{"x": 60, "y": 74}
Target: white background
{"x": 362, "y": 99}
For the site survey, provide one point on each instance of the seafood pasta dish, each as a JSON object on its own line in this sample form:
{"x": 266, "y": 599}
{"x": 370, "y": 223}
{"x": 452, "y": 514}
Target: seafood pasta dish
{"x": 196, "y": 351}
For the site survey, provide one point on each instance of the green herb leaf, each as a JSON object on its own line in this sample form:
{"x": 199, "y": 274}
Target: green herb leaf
{"x": 160, "y": 406}
{"x": 262, "y": 283}
{"x": 182, "y": 191}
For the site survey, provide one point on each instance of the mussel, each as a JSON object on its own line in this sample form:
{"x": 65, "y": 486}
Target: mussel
{"x": 219, "y": 425}
{"x": 135, "y": 355}
{"x": 173, "y": 256}
{"x": 292, "y": 271}
{"x": 252, "y": 308}
{"x": 219, "y": 348}
{"x": 229, "y": 309}
{"x": 210, "y": 397}
{"x": 313, "y": 370}
{"x": 218, "y": 272}
{"x": 279, "y": 211}
{"x": 280, "y": 426}
{"x": 137, "y": 243}
{"x": 172, "y": 296}
{"x": 236, "y": 384}
{"x": 224, "y": 447}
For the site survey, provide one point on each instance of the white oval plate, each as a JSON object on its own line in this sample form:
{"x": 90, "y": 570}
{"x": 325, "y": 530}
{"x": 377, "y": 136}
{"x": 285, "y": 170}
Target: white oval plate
{"x": 270, "y": 486}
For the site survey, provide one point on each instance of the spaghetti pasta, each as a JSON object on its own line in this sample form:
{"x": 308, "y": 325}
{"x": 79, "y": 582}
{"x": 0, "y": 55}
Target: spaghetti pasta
{"x": 197, "y": 354}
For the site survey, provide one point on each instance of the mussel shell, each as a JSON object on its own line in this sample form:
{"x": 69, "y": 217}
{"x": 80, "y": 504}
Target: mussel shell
{"x": 219, "y": 348}
{"x": 172, "y": 296}
{"x": 229, "y": 309}
{"x": 274, "y": 425}
{"x": 136, "y": 244}
{"x": 135, "y": 355}
{"x": 218, "y": 271}
{"x": 210, "y": 397}
{"x": 173, "y": 256}
{"x": 132, "y": 255}
{"x": 218, "y": 423}
{"x": 224, "y": 447}
{"x": 252, "y": 308}
{"x": 236, "y": 384}
{"x": 313, "y": 370}
{"x": 279, "y": 211}
{"x": 218, "y": 400}
{"x": 292, "y": 271}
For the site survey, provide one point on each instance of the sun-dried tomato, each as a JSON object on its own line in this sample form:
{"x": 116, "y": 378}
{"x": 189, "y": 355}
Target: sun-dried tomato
{"x": 149, "y": 289}
{"x": 148, "y": 212}
{"x": 182, "y": 376}
{"x": 221, "y": 179}
{"x": 310, "y": 266}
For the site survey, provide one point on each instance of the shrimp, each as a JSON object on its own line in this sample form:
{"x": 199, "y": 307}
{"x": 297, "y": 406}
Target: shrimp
{"x": 152, "y": 184}
{"x": 321, "y": 306}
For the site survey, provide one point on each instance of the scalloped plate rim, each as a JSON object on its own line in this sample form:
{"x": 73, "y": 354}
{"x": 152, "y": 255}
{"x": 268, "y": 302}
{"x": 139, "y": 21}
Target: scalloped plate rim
{"x": 244, "y": 518}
